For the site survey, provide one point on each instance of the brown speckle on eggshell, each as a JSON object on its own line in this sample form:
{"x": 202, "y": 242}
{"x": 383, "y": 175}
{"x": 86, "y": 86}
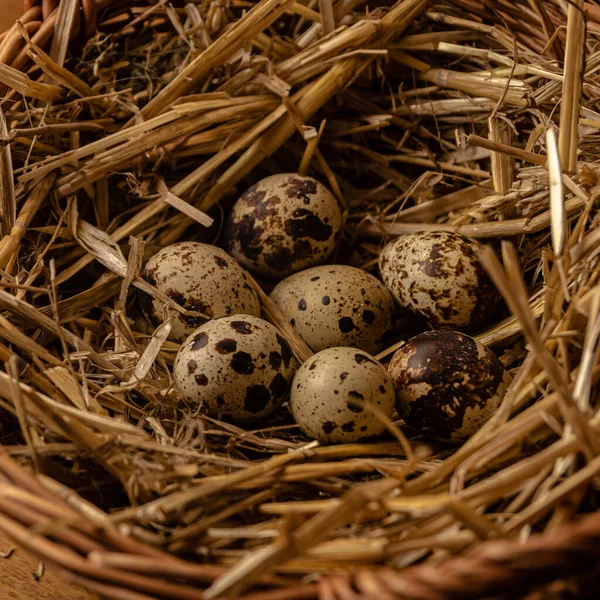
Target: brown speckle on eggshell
{"x": 201, "y": 278}
{"x": 447, "y": 384}
{"x": 283, "y": 223}
{"x": 336, "y": 305}
{"x": 438, "y": 276}
{"x": 238, "y": 366}
{"x": 329, "y": 394}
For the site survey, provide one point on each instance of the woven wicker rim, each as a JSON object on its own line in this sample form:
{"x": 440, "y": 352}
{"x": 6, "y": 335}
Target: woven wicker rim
{"x": 498, "y": 568}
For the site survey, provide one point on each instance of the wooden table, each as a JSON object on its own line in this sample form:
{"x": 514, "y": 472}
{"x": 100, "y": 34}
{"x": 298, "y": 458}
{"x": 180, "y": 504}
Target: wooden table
{"x": 17, "y": 580}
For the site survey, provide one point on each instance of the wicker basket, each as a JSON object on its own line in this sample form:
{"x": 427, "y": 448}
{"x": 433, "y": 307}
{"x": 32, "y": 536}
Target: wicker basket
{"x": 72, "y": 538}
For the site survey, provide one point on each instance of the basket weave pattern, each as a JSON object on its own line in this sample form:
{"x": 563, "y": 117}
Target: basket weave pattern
{"x": 103, "y": 560}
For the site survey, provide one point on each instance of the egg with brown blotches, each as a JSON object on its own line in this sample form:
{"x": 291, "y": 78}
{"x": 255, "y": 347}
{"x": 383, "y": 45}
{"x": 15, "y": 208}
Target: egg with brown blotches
{"x": 283, "y": 223}
{"x": 336, "y": 305}
{"x": 334, "y": 393}
{"x": 201, "y": 278}
{"x": 237, "y": 367}
{"x": 447, "y": 384}
{"x": 438, "y": 276}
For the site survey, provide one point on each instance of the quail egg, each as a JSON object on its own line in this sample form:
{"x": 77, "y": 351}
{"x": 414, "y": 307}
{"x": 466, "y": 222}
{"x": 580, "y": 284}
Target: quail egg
{"x": 332, "y": 392}
{"x": 336, "y": 305}
{"x": 238, "y": 367}
{"x": 447, "y": 384}
{"x": 201, "y": 278}
{"x": 282, "y": 224}
{"x": 439, "y": 276}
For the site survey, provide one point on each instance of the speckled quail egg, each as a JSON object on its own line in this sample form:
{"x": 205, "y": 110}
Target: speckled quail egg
{"x": 238, "y": 367}
{"x": 439, "y": 276}
{"x": 332, "y": 392}
{"x": 201, "y": 278}
{"x": 447, "y": 384}
{"x": 336, "y": 305}
{"x": 282, "y": 224}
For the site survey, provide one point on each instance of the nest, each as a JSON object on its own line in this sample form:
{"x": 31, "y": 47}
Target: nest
{"x": 127, "y": 126}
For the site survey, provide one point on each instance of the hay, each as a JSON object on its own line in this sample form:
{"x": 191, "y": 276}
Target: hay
{"x": 419, "y": 116}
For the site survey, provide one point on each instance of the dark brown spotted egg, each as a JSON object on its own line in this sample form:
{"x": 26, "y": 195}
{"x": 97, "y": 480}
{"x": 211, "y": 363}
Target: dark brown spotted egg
{"x": 236, "y": 367}
{"x": 282, "y": 224}
{"x": 336, "y": 305}
{"x": 447, "y": 384}
{"x": 201, "y": 278}
{"x": 439, "y": 276}
{"x": 332, "y": 394}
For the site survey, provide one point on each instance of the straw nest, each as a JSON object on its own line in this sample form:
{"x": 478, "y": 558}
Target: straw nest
{"x": 458, "y": 115}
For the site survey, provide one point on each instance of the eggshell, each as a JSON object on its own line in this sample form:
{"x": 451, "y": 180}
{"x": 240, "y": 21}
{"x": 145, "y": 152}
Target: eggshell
{"x": 282, "y": 224}
{"x": 199, "y": 277}
{"x": 336, "y": 305}
{"x": 237, "y": 367}
{"x": 327, "y": 392}
{"x": 447, "y": 384}
{"x": 439, "y": 276}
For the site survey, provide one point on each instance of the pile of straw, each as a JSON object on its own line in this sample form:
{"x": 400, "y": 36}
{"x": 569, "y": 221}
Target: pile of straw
{"x": 460, "y": 115}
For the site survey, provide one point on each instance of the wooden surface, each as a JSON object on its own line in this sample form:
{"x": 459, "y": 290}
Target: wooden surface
{"x": 10, "y": 11}
{"x": 17, "y": 581}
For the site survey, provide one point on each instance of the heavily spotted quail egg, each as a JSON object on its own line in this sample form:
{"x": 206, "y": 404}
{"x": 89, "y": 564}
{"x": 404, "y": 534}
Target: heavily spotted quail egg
{"x": 238, "y": 367}
{"x": 439, "y": 276}
{"x": 447, "y": 384}
{"x": 282, "y": 224}
{"x": 201, "y": 278}
{"x": 332, "y": 392}
{"x": 336, "y": 305}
